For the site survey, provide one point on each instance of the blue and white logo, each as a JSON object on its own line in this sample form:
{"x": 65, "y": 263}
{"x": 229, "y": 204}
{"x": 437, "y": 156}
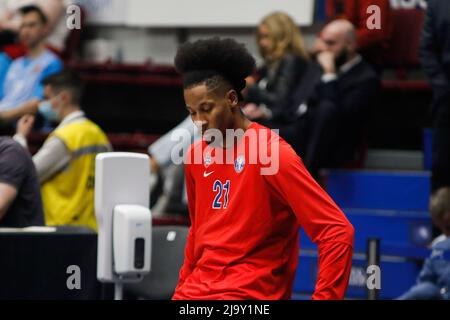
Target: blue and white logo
{"x": 207, "y": 160}
{"x": 239, "y": 164}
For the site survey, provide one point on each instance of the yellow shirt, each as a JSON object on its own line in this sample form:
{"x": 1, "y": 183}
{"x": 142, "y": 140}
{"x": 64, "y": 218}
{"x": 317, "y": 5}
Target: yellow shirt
{"x": 68, "y": 196}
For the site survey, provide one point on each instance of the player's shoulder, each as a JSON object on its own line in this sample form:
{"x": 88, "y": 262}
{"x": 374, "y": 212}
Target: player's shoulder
{"x": 194, "y": 153}
{"x": 195, "y": 146}
{"x": 275, "y": 143}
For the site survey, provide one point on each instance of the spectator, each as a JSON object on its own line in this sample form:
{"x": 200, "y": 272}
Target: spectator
{"x": 10, "y": 25}
{"x": 10, "y": 18}
{"x": 434, "y": 279}
{"x": 332, "y": 119}
{"x": 20, "y": 196}
{"x": 435, "y": 57}
{"x": 22, "y": 89}
{"x": 65, "y": 163}
{"x": 371, "y": 43}
{"x": 174, "y": 197}
{"x": 285, "y": 58}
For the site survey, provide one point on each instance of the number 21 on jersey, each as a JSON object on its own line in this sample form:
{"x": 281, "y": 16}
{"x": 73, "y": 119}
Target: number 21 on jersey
{"x": 221, "y": 191}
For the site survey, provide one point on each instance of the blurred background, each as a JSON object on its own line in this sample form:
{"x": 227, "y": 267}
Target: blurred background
{"x": 124, "y": 53}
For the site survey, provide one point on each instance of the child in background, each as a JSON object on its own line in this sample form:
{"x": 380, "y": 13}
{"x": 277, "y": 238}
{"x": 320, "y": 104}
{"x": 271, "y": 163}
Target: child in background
{"x": 434, "y": 279}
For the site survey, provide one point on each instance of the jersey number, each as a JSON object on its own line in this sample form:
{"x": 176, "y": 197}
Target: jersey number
{"x": 221, "y": 190}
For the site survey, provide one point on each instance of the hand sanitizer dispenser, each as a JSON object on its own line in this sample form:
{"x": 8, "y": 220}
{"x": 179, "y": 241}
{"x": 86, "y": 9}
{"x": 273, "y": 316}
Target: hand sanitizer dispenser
{"x": 122, "y": 198}
{"x": 131, "y": 240}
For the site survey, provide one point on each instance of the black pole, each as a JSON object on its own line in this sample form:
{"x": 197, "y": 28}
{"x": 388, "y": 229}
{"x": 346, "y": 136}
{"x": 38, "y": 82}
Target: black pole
{"x": 373, "y": 259}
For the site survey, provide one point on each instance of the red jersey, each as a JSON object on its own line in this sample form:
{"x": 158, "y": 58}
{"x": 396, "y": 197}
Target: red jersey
{"x": 244, "y": 237}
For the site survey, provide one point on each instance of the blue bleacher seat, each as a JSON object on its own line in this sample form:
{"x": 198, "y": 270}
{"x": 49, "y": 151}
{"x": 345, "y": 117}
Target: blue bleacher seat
{"x": 407, "y": 191}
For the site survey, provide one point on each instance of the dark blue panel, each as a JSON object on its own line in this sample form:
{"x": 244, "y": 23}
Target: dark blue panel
{"x": 408, "y": 191}
{"x": 427, "y": 148}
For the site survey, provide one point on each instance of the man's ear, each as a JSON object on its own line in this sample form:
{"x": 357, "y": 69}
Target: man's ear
{"x": 352, "y": 46}
{"x": 66, "y": 96}
{"x": 232, "y": 97}
{"x": 47, "y": 91}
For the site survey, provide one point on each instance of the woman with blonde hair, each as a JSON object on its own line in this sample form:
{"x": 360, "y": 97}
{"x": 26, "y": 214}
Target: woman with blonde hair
{"x": 285, "y": 58}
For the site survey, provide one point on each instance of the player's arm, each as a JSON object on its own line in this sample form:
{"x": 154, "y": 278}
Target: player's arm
{"x": 322, "y": 220}
{"x": 189, "y": 262}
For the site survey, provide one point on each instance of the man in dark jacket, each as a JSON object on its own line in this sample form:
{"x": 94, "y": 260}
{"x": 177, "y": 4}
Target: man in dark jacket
{"x": 333, "y": 102}
{"x": 435, "y": 57}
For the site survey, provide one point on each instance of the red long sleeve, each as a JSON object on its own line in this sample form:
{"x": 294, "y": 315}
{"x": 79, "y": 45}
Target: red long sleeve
{"x": 322, "y": 221}
{"x": 244, "y": 238}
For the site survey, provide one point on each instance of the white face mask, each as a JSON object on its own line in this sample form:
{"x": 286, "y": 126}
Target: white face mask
{"x": 47, "y": 111}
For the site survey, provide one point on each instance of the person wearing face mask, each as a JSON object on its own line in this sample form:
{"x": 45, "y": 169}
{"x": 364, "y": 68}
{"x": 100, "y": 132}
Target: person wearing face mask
{"x": 65, "y": 163}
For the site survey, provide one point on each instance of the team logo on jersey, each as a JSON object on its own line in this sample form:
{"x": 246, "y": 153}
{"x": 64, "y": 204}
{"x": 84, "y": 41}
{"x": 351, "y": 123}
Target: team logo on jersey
{"x": 207, "y": 160}
{"x": 239, "y": 164}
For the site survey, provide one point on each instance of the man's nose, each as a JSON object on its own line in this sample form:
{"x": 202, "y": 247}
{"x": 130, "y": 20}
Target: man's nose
{"x": 201, "y": 123}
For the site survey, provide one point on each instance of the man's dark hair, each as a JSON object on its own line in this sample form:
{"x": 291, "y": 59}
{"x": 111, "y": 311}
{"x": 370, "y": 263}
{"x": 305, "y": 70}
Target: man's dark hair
{"x": 32, "y": 8}
{"x": 66, "y": 80}
{"x": 215, "y": 62}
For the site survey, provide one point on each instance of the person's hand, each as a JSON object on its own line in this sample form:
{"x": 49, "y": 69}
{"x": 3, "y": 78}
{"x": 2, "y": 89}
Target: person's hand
{"x": 252, "y": 111}
{"x": 249, "y": 109}
{"x": 25, "y": 124}
{"x": 326, "y": 60}
{"x": 249, "y": 81}
{"x": 319, "y": 46}
{"x": 154, "y": 165}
